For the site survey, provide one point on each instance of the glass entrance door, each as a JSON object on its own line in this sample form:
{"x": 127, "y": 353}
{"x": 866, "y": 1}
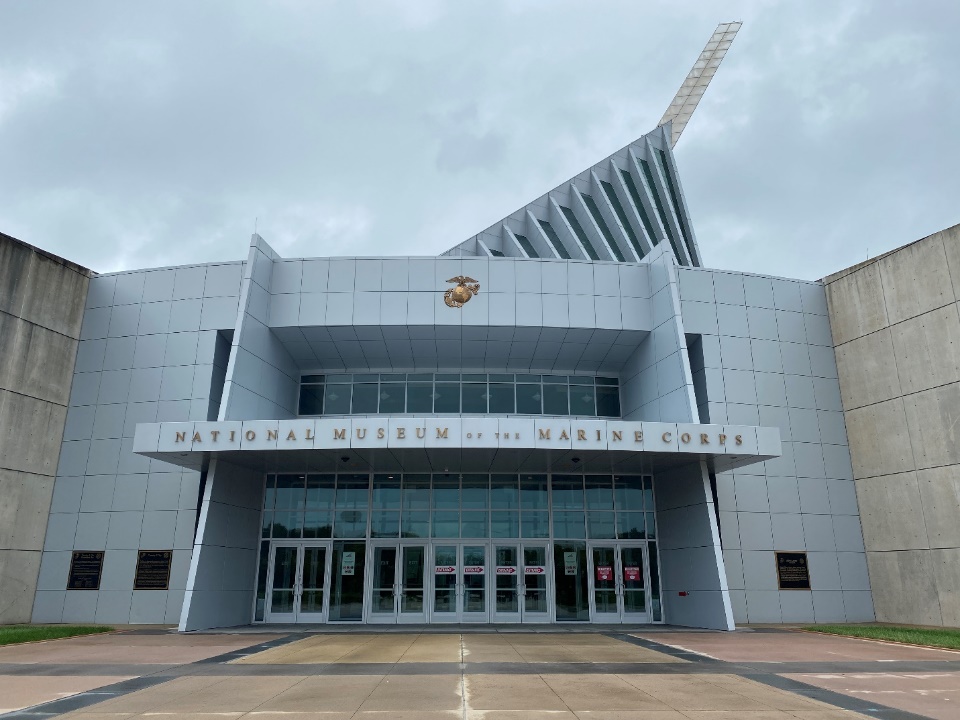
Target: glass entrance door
{"x": 520, "y": 575}
{"x": 396, "y": 586}
{"x": 618, "y": 574}
{"x": 346, "y": 580}
{"x": 298, "y": 578}
{"x": 459, "y": 583}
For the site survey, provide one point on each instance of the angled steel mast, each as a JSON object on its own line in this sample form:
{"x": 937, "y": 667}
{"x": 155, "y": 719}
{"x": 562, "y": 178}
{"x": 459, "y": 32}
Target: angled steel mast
{"x": 692, "y": 89}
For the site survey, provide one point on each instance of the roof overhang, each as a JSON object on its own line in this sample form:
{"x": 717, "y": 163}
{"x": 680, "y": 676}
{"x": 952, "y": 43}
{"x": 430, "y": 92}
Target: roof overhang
{"x": 463, "y": 443}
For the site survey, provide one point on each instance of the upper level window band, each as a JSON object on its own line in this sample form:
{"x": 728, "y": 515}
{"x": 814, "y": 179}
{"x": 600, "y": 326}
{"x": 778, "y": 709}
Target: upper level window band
{"x": 454, "y": 393}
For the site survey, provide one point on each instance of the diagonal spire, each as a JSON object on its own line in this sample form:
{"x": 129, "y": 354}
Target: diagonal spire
{"x": 689, "y": 94}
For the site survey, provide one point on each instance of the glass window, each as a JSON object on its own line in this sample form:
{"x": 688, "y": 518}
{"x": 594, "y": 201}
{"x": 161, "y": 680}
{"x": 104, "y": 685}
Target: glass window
{"x": 533, "y": 492}
{"x": 446, "y": 524}
{"x": 556, "y": 400}
{"x": 336, "y": 400}
{"x": 629, "y": 492}
{"x": 525, "y": 244}
{"x": 391, "y": 397}
{"x": 446, "y": 398}
{"x": 535, "y": 524}
{"x": 504, "y": 493}
{"x": 420, "y": 397}
{"x": 352, "y": 492}
{"x": 579, "y": 232}
{"x": 320, "y": 492}
{"x": 631, "y": 526}
{"x": 600, "y": 525}
{"x": 267, "y": 523}
{"x": 270, "y": 492}
{"x": 621, "y": 215}
{"x": 475, "y": 397}
{"x": 632, "y": 189}
{"x": 568, "y": 525}
{"x": 554, "y": 239}
{"x": 384, "y": 523}
{"x": 501, "y": 398}
{"x": 287, "y": 523}
{"x": 599, "y": 492}
{"x": 504, "y": 524}
{"x": 529, "y": 399}
{"x": 651, "y": 526}
{"x": 602, "y": 224}
{"x": 446, "y": 492}
{"x": 568, "y": 492}
{"x": 582, "y": 400}
{"x": 415, "y": 524}
{"x": 474, "y": 393}
{"x": 608, "y": 401}
{"x": 311, "y": 399}
{"x": 290, "y": 492}
{"x": 386, "y": 492}
{"x": 473, "y": 524}
{"x": 365, "y": 398}
{"x": 475, "y": 492}
{"x": 416, "y": 492}
{"x": 350, "y": 523}
{"x": 318, "y": 524}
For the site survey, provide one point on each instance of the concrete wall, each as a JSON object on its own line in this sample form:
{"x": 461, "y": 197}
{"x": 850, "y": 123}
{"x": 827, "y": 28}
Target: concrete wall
{"x": 765, "y": 357}
{"x": 896, "y": 328}
{"x": 41, "y": 309}
{"x": 147, "y": 353}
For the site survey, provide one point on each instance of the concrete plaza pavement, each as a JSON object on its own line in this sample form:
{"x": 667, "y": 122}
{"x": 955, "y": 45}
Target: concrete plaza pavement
{"x": 476, "y": 674}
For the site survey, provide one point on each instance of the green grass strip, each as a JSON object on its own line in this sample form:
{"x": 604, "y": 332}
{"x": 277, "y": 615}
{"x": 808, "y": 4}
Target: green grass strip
{"x": 934, "y": 637}
{"x": 11, "y": 634}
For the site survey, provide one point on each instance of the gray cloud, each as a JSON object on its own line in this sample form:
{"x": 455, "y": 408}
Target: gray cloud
{"x": 158, "y": 133}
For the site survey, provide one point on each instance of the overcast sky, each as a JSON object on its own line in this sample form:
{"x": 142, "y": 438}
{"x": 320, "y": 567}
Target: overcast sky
{"x": 137, "y": 134}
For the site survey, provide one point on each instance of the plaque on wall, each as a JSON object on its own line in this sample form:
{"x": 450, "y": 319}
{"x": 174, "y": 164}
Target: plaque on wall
{"x": 153, "y": 570}
{"x": 793, "y": 573}
{"x": 86, "y": 567}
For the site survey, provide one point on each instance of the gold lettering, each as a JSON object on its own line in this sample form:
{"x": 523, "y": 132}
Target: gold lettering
{"x": 704, "y": 439}
{"x": 598, "y": 434}
{"x": 685, "y": 437}
{"x": 638, "y": 435}
{"x": 340, "y": 434}
{"x": 272, "y": 434}
{"x": 563, "y": 435}
{"x": 215, "y": 434}
{"x": 381, "y": 433}
{"x": 723, "y": 439}
{"x": 181, "y": 437}
{"x": 361, "y": 433}
{"x": 421, "y": 433}
{"x": 739, "y": 439}
{"x": 442, "y": 434}
{"x": 401, "y": 433}
{"x": 197, "y": 438}
{"x": 581, "y": 435}
{"x": 666, "y": 437}
{"x": 233, "y": 435}
{"x": 618, "y": 435}
{"x": 251, "y": 435}
{"x": 544, "y": 434}
{"x": 291, "y": 435}
{"x": 309, "y": 435}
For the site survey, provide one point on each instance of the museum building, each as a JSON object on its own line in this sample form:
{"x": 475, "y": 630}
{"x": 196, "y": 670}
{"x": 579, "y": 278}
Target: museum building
{"x": 564, "y": 419}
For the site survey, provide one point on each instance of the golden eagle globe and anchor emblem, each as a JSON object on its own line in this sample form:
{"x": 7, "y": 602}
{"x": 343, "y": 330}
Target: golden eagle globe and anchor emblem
{"x": 457, "y": 296}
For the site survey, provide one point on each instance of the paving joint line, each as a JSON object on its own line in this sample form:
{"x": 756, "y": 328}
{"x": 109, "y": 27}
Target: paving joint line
{"x": 97, "y": 695}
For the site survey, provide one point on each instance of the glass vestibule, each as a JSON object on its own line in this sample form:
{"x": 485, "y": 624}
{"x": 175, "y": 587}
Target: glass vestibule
{"x": 459, "y": 547}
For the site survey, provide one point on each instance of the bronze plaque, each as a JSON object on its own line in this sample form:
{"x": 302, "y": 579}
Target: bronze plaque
{"x": 153, "y": 570}
{"x": 86, "y": 566}
{"x": 793, "y": 573}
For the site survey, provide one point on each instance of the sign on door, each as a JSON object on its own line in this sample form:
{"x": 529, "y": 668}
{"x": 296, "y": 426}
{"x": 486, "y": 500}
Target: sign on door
{"x": 348, "y": 563}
